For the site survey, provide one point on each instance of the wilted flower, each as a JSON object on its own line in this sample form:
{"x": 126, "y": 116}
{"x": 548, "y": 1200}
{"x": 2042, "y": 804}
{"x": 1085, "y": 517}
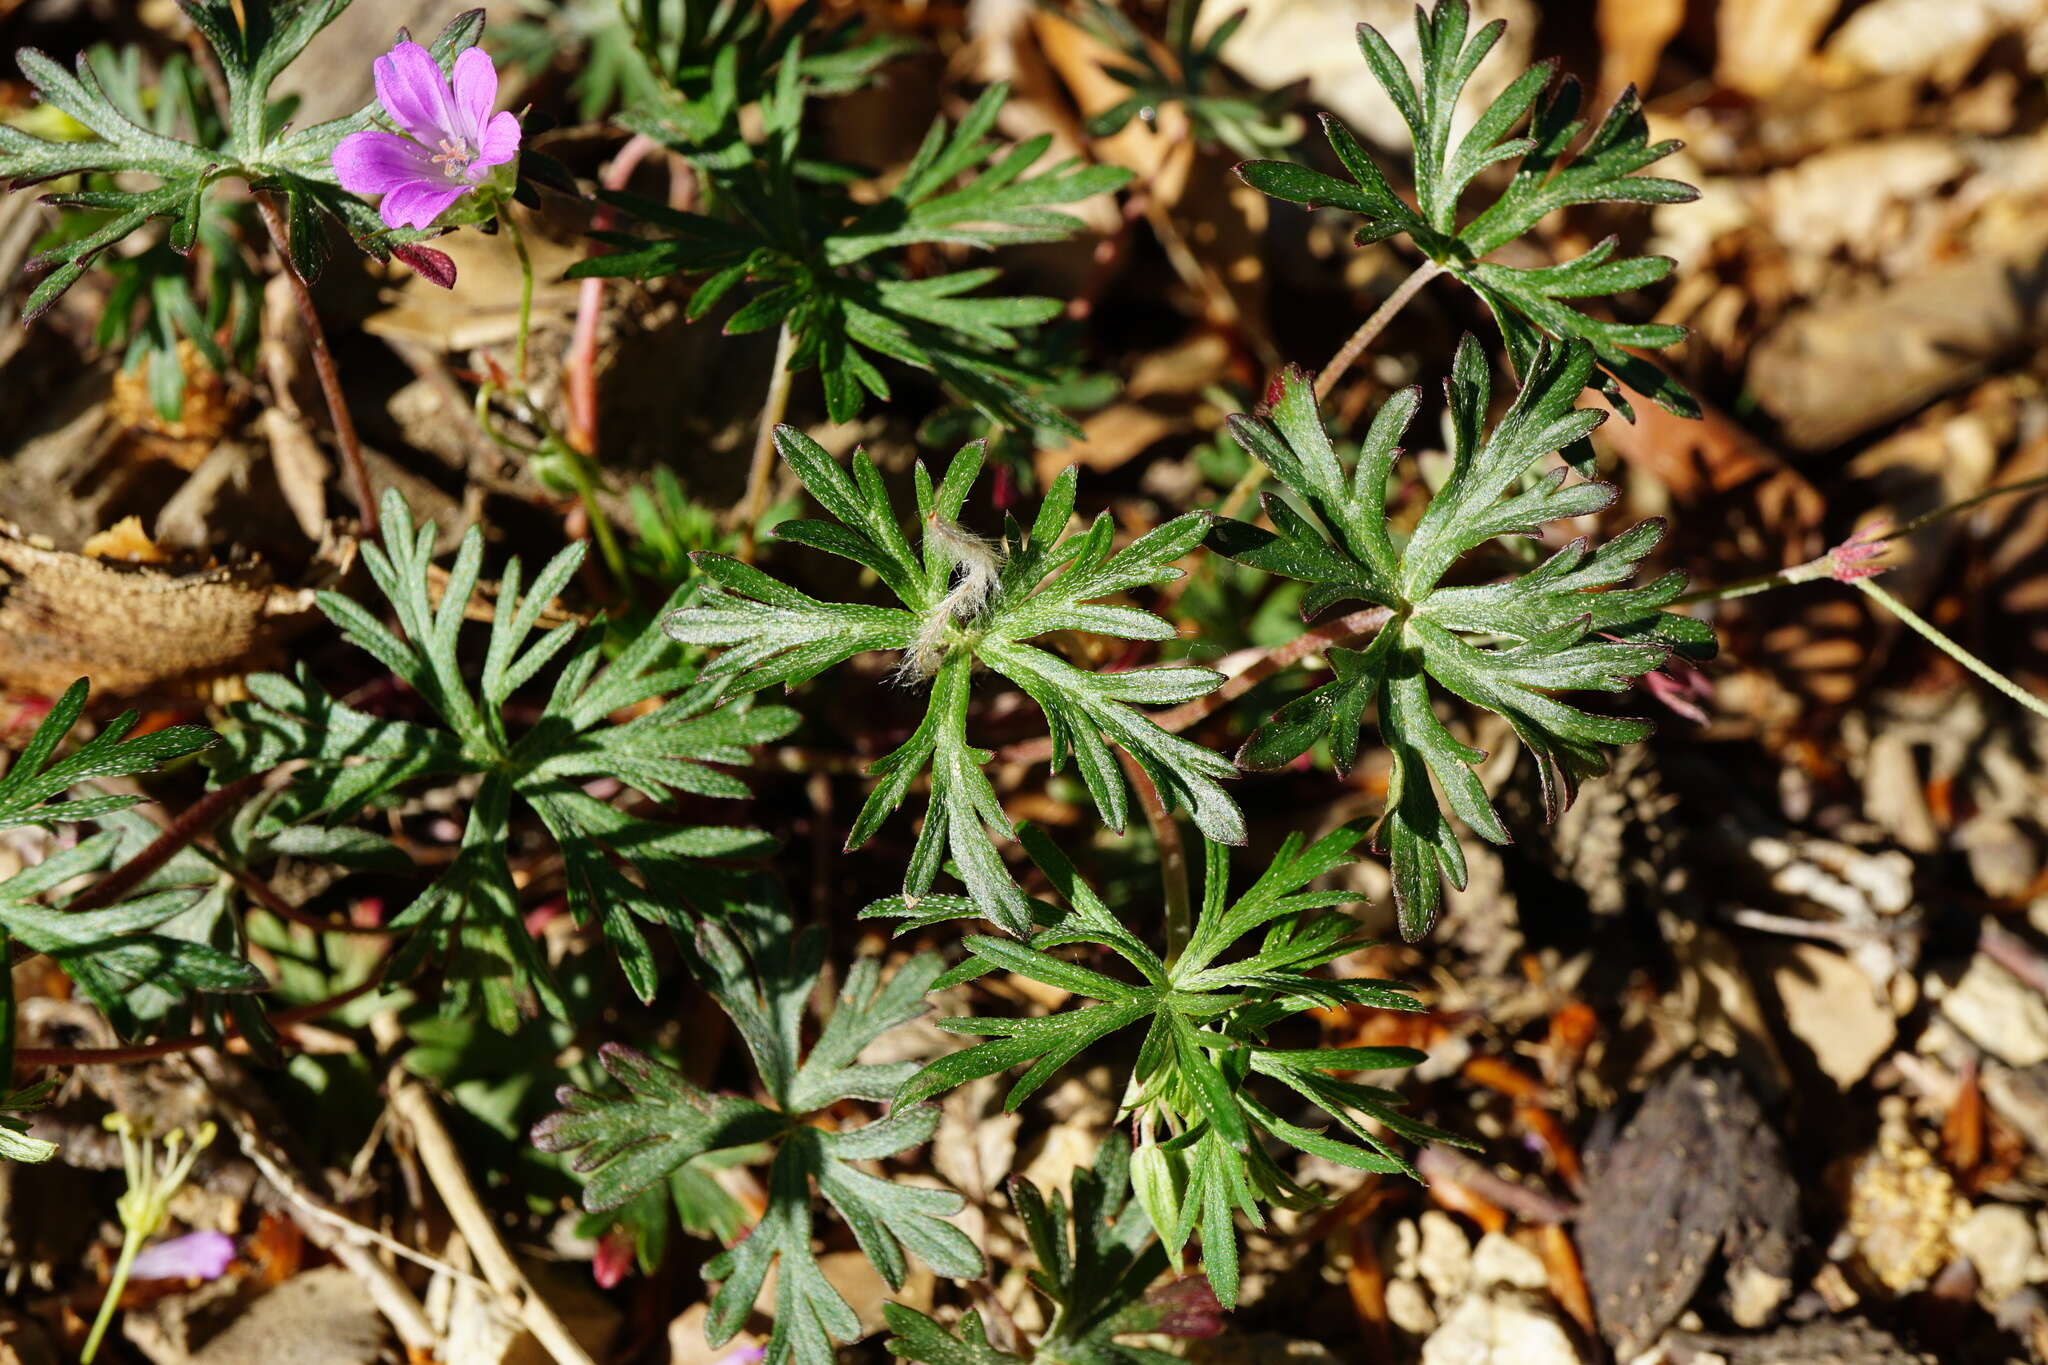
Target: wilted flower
{"x": 614, "y": 1258}
{"x": 195, "y": 1256}
{"x": 1185, "y": 1308}
{"x": 450, "y": 139}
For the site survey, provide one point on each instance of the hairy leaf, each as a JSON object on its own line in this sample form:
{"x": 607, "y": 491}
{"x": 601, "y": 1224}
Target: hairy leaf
{"x": 1529, "y": 303}
{"x": 1508, "y": 647}
{"x": 966, "y": 602}
{"x": 623, "y": 870}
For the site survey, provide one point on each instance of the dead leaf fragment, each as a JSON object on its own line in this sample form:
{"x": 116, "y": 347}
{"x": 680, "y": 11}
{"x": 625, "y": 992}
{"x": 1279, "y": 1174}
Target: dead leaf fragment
{"x": 136, "y": 627}
{"x": 125, "y": 542}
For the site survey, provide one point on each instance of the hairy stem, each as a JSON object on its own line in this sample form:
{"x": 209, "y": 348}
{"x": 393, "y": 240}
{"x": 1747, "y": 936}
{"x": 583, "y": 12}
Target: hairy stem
{"x": 1347, "y": 355}
{"x": 324, "y": 367}
{"x": 265, "y": 895}
{"x": 1173, "y": 859}
{"x": 196, "y": 820}
{"x": 1369, "y": 330}
{"x": 755, "y": 504}
{"x": 1826, "y": 566}
{"x": 1928, "y": 630}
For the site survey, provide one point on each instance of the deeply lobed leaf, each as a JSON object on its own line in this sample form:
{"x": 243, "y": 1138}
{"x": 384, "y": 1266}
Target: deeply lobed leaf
{"x": 1506, "y": 647}
{"x": 1529, "y": 304}
{"x": 967, "y": 603}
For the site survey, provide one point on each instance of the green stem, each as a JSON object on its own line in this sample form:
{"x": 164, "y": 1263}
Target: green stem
{"x": 131, "y": 1243}
{"x": 525, "y": 293}
{"x": 1933, "y": 635}
{"x": 600, "y": 524}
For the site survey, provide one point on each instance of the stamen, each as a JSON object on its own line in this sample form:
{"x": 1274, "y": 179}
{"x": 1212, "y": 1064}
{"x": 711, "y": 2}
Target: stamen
{"x": 454, "y": 156}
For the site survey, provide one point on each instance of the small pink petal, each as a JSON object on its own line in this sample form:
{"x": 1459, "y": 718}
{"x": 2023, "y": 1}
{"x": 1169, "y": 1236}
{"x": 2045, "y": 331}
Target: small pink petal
{"x": 418, "y": 205}
{"x": 195, "y": 1256}
{"x": 498, "y": 145}
{"x": 413, "y": 91}
{"x": 476, "y": 93}
{"x": 376, "y": 162}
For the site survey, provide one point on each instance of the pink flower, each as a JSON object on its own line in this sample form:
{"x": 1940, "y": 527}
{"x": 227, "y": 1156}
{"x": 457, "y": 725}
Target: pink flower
{"x": 195, "y": 1256}
{"x": 450, "y": 139}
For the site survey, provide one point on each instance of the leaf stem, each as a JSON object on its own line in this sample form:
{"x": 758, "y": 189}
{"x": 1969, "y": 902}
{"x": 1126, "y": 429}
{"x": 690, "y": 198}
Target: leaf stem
{"x": 1173, "y": 859}
{"x": 324, "y": 367}
{"x": 169, "y": 1047}
{"x": 1347, "y": 355}
{"x": 1369, "y": 330}
{"x": 198, "y": 818}
{"x": 1933, "y": 635}
{"x": 755, "y": 504}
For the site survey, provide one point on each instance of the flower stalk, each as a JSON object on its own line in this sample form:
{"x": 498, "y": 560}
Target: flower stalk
{"x": 146, "y": 1206}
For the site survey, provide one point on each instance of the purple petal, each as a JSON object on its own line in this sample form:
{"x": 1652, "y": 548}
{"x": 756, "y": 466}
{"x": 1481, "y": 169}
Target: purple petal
{"x": 417, "y": 205}
{"x": 376, "y": 162}
{"x": 413, "y": 91}
{"x": 498, "y": 145}
{"x": 476, "y": 93}
{"x": 195, "y": 1256}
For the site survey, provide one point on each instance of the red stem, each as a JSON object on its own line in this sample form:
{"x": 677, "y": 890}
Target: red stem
{"x": 142, "y": 1052}
{"x": 324, "y": 367}
{"x": 196, "y": 820}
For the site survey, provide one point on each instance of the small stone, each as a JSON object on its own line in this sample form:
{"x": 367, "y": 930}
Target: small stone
{"x": 1445, "y": 1259}
{"x": 1502, "y": 1329}
{"x": 2000, "y": 1242}
{"x": 1999, "y": 1013}
{"x": 317, "y": 1317}
{"x": 1500, "y": 1260}
{"x": 1408, "y": 1308}
{"x": 1830, "y": 1006}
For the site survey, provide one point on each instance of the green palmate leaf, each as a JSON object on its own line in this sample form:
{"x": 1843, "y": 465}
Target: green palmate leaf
{"x": 1507, "y": 647}
{"x": 697, "y": 63}
{"x": 30, "y": 789}
{"x": 191, "y": 142}
{"x": 1096, "y": 1262}
{"x": 1206, "y": 1019}
{"x": 824, "y": 265}
{"x": 969, "y": 603}
{"x": 1188, "y": 71}
{"x": 1534, "y": 122}
{"x": 471, "y": 914}
{"x": 763, "y": 973}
